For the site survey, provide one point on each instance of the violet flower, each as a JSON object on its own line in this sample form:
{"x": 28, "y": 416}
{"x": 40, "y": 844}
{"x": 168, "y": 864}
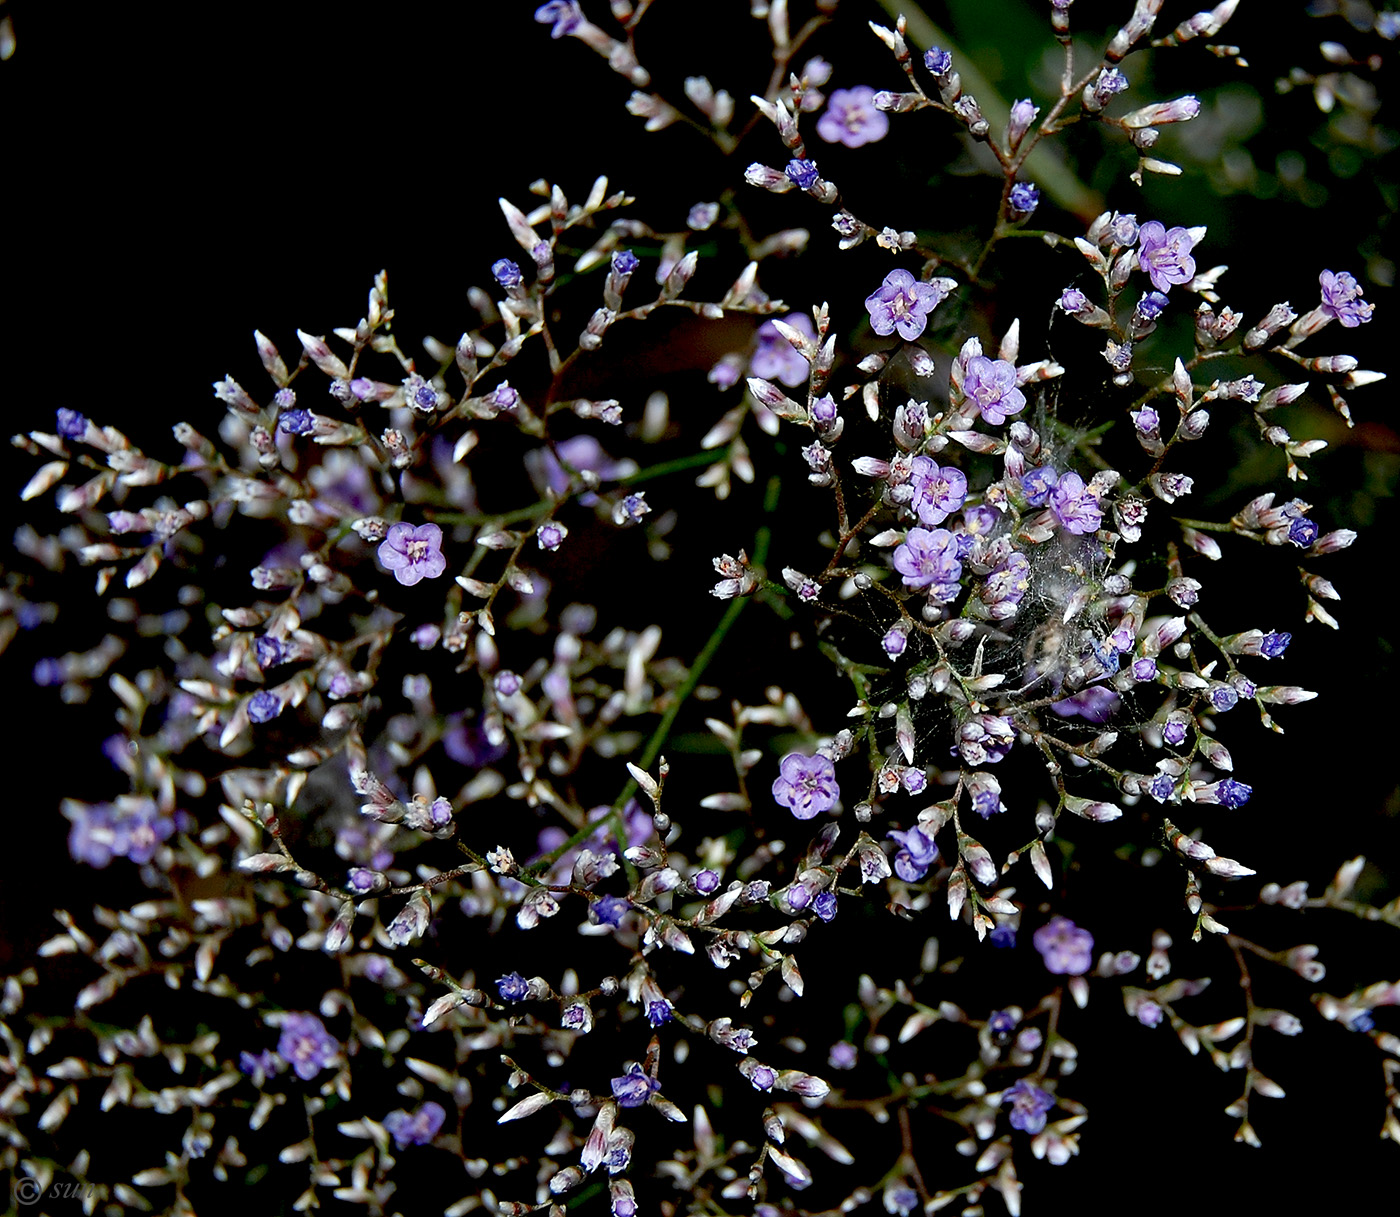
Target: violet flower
{"x": 903, "y": 303}
{"x": 306, "y": 1045}
{"x": 806, "y": 785}
{"x": 1028, "y": 1106}
{"x": 634, "y": 1087}
{"x": 413, "y": 554}
{"x": 774, "y": 357}
{"x": 1066, "y": 949}
{"x": 1341, "y": 298}
{"x": 1165, "y": 255}
{"x": 928, "y": 559}
{"x": 1075, "y": 505}
{"x": 416, "y": 1129}
{"x": 852, "y": 119}
{"x": 938, "y": 492}
{"x": 920, "y": 852}
{"x": 990, "y": 385}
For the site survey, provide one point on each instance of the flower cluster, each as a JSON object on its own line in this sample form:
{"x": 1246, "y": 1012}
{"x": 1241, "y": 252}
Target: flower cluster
{"x": 431, "y": 779}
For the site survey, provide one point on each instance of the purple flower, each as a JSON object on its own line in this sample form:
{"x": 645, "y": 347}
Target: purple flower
{"x": 900, "y": 1199}
{"x": 658, "y": 1012}
{"x": 1233, "y": 794}
{"x": 920, "y": 852}
{"x": 1302, "y": 531}
{"x": 984, "y": 791}
{"x": 466, "y": 743}
{"x": 1066, "y": 949}
{"x": 264, "y": 706}
{"x": 634, "y": 1087}
{"x": 841, "y": 1055}
{"x": 413, "y": 554}
{"x": 506, "y": 272}
{"x": 609, "y": 910}
{"x": 706, "y": 882}
{"x": 1146, "y": 420}
{"x": 512, "y": 987}
{"x": 624, "y": 262}
{"x": 1341, "y": 298}
{"x": 1174, "y": 732}
{"x": 1001, "y": 1023}
{"x": 1151, "y": 306}
{"x": 503, "y": 397}
{"x": 762, "y": 1078}
{"x": 135, "y": 829}
{"x": 71, "y": 424}
{"x": 1074, "y": 302}
{"x": 1075, "y": 505}
{"x": 421, "y": 395}
{"x": 416, "y": 1129}
{"x": 802, "y": 173}
{"x": 580, "y": 452}
{"x": 1145, "y": 668}
{"x": 269, "y": 651}
{"x": 852, "y": 119}
{"x": 895, "y": 641}
{"x": 1222, "y": 698}
{"x": 938, "y": 492}
{"x": 938, "y": 61}
{"x": 1109, "y": 82}
{"x": 93, "y": 835}
{"x": 1274, "y": 644}
{"x": 1165, "y": 255}
{"x": 630, "y": 509}
{"x": 296, "y": 422}
{"x": 1002, "y": 937}
{"x": 1037, "y": 485}
{"x": 266, "y": 1063}
{"x": 1023, "y": 113}
{"x": 806, "y": 785}
{"x": 980, "y": 521}
{"x": 306, "y": 1045}
{"x": 1023, "y": 199}
{"x": 825, "y": 905}
{"x": 928, "y": 559}
{"x": 1028, "y": 1106}
{"x": 1149, "y": 1013}
{"x": 985, "y": 739}
{"x": 902, "y": 303}
{"x": 564, "y": 15}
{"x": 990, "y": 385}
{"x": 1095, "y": 704}
{"x": 362, "y": 880}
{"x": 550, "y": 535}
{"x": 775, "y": 358}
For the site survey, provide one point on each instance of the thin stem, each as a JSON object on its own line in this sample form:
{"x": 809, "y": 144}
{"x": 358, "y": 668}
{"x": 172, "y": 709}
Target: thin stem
{"x": 762, "y": 539}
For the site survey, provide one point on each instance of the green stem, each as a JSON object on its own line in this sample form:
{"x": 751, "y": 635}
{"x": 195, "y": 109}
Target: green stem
{"x": 762, "y": 539}
{"x": 707, "y": 457}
